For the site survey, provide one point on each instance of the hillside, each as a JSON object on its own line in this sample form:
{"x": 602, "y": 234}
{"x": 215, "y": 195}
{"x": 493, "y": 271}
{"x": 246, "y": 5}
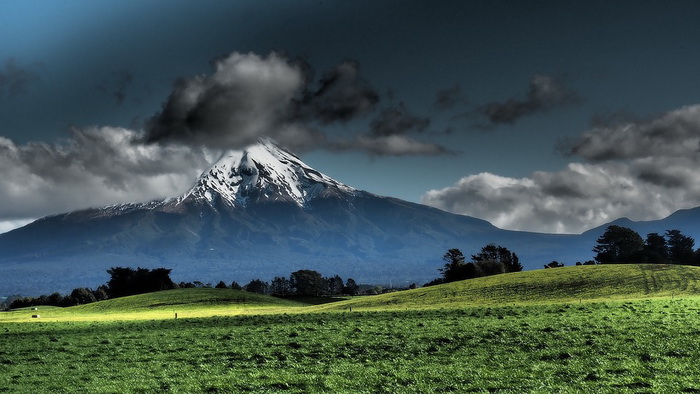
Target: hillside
{"x": 575, "y": 283}
{"x": 186, "y": 298}
{"x": 187, "y": 303}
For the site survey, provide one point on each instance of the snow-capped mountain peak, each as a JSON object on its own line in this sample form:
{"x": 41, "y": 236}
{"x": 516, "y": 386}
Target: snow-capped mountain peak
{"x": 263, "y": 172}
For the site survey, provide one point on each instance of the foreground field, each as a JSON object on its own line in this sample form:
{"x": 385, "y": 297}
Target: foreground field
{"x": 630, "y": 328}
{"x": 638, "y": 346}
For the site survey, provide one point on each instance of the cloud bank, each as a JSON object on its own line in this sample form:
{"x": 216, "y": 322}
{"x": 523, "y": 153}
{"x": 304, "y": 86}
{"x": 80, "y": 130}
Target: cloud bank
{"x": 95, "y": 167}
{"x": 643, "y": 170}
{"x": 249, "y": 96}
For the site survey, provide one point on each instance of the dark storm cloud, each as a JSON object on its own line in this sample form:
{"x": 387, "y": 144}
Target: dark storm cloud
{"x": 341, "y": 96}
{"x": 449, "y": 98}
{"x": 247, "y": 97}
{"x": 544, "y": 94}
{"x": 389, "y": 135}
{"x": 250, "y": 96}
{"x": 14, "y": 78}
{"x": 397, "y": 120}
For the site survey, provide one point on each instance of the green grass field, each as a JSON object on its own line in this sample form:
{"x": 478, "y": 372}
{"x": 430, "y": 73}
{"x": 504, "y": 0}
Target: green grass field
{"x": 578, "y": 329}
{"x": 557, "y": 285}
{"x": 187, "y": 303}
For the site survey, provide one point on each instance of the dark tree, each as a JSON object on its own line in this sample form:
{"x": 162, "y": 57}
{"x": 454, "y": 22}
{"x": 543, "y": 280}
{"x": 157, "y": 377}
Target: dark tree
{"x": 618, "y": 245}
{"x": 434, "y": 282}
{"x": 55, "y": 299}
{"x": 334, "y": 285}
{"x": 221, "y": 285}
{"x": 257, "y": 286}
{"x": 121, "y": 282}
{"x": 307, "y": 283}
{"x": 280, "y": 286}
{"x": 351, "y": 287}
{"x": 127, "y": 281}
{"x": 454, "y": 265}
{"x": 499, "y": 254}
{"x": 680, "y": 247}
{"x": 488, "y": 267}
{"x": 21, "y": 302}
{"x": 101, "y": 293}
{"x": 236, "y": 286}
{"x": 82, "y": 296}
{"x": 554, "y": 264}
{"x": 655, "y": 249}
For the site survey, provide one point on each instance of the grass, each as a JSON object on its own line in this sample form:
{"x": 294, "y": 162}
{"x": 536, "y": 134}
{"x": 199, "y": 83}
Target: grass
{"x": 636, "y": 332}
{"x": 567, "y": 284}
{"x": 205, "y": 302}
{"x": 630, "y": 346}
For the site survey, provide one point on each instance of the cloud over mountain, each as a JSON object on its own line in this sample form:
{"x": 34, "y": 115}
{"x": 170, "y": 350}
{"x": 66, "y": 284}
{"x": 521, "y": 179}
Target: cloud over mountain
{"x": 95, "y": 167}
{"x": 246, "y": 97}
{"x": 640, "y": 169}
{"x": 249, "y": 96}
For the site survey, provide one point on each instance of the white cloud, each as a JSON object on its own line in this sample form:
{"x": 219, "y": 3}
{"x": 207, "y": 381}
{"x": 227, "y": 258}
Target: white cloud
{"x": 9, "y": 225}
{"x": 641, "y": 170}
{"x": 95, "y": 167}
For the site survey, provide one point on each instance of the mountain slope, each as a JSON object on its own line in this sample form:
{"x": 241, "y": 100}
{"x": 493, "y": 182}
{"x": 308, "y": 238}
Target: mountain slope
{"x": 259, "y": 213}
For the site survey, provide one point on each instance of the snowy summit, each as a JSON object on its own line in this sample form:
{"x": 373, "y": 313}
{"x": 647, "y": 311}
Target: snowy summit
{"x": 262, "y": 172}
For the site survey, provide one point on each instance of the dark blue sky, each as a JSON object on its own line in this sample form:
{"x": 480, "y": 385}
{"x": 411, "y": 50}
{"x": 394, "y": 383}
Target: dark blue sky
{"x": 531, "y": 94}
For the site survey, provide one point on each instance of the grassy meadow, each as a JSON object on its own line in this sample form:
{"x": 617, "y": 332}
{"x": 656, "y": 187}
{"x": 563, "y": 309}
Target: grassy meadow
{"x": 631, "y": 328}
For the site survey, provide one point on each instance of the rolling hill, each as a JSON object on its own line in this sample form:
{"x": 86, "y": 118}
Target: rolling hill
{"x": 567, "y": 284}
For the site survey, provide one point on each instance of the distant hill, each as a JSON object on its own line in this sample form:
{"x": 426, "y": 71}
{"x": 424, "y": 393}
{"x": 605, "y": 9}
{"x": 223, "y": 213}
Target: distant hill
{"x": 601, "y": 282}
{"x": 186, "y": 303}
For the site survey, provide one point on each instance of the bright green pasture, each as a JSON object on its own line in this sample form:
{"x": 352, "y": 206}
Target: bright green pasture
{"x": 633, "y": 346}
{"x": 567, "y": 284}
{"x": 624, "y": 328}
{"x": 205, "y": 302}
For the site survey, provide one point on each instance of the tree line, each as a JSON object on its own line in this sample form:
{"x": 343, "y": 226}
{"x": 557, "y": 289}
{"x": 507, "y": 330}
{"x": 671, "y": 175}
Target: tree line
{"x": 300, "y": 283}
{"x": 125, "y": 281}
{"x": 492, "y": 259}
{"x": 623, "y": 245}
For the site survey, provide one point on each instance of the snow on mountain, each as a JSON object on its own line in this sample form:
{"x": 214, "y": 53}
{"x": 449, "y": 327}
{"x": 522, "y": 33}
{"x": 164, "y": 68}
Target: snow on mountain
{"x": 262, "y": 173}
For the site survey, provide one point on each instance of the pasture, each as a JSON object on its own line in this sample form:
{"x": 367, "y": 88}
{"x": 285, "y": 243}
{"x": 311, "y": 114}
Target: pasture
{"x": 646, "y": 342}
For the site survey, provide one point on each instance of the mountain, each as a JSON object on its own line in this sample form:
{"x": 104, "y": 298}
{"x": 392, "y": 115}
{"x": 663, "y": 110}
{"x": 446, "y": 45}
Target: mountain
{"x": 261, "y": 212}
